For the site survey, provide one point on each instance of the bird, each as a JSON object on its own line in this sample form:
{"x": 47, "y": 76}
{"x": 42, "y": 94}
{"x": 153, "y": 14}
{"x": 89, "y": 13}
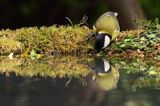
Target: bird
{"x": 104, "y": 73}
{"x": 106, "y": 29}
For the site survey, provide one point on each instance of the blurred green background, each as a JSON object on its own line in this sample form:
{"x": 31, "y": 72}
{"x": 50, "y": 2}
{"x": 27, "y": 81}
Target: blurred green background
{"x": 151, "y": 8}
{"x": 26, "y": 13}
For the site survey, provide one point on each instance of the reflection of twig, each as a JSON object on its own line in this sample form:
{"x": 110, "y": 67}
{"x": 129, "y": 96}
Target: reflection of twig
{"x": 66, "y": 84}
{"x": 83, "y": 81}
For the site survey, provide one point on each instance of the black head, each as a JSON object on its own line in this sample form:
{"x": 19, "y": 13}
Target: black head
{"x": 102, "y": 66}
{"x": 100, "y": 41}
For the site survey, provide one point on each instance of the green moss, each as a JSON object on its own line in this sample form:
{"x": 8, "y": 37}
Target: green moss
{"x": 53, "y": 39}
{"x": 72, "y": 39}
{"x": 62, "y": 39}
{"x": 144, "y": 42}
{"x": 33, "y": 38}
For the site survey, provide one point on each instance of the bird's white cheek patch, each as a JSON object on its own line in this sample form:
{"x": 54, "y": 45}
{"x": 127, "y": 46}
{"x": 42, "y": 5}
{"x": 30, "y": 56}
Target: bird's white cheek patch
{"x": 106, "y": 66}
{"x": 106, "y": 41}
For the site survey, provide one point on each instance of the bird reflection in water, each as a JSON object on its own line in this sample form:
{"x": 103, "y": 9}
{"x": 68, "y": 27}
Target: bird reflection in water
{"x": 104, "y": 73}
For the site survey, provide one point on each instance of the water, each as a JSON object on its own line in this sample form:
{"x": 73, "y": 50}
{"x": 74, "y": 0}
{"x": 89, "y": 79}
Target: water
{"x": 99, "y": 86}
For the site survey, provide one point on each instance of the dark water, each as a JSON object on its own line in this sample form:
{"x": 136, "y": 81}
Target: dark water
{"x": 20, "y": 91}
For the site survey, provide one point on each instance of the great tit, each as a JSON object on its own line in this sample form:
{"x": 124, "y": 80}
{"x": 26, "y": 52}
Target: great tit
{"x": 105, "y": 75}
{"x": 106, "y": 29}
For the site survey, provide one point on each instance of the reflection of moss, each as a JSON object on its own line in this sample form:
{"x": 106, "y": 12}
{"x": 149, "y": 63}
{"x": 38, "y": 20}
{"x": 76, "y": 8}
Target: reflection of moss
{"x": 77, "y": 66}
{"x": 73, "y": 65}
{"x": 8, "y": 65}
{"x": 150, "y": 82}
{"x": 137, "y": 65}
{"x": 68, "y": 66}
{"x": 147, "y": 71}
{"x": 8, "y": 45}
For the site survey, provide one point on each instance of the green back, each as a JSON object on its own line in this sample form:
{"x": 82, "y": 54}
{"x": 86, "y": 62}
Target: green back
{"x": 108, "y": 23}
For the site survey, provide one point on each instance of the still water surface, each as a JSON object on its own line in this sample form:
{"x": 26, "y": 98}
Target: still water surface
{"x": 104, "y": 85}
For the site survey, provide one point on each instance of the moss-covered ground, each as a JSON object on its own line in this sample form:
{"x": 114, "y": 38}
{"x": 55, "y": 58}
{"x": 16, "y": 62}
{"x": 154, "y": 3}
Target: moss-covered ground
{"x": 72, "y": 40}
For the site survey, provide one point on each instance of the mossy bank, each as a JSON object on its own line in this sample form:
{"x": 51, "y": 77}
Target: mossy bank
{"x": 53, "y": 39}
{"x": 72, "y": 40}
